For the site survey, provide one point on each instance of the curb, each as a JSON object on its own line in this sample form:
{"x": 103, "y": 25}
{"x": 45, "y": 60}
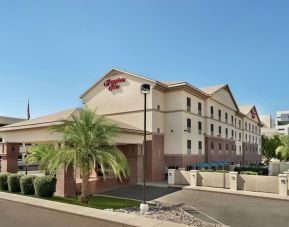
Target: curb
{"x": 102, "y": 217}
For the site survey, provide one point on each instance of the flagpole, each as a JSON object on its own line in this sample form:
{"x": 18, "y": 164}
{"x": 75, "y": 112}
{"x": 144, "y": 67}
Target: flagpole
{"x": 28, "y": 118}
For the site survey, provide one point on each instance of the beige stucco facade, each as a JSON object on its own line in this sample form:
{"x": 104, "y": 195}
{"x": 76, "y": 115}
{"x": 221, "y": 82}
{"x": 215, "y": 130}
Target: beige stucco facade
{"x": 195, "y": 124}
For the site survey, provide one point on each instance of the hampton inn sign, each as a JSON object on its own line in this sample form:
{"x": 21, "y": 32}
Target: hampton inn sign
{"x": 114, "y": 84}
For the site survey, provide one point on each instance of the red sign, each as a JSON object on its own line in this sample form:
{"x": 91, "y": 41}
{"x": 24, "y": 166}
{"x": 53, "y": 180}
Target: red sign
{"x": 254, "y": 113}
{"x": 114, "y": 84}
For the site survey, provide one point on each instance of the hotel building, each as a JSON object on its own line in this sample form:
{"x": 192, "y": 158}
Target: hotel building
{"x": 185, "y": 124}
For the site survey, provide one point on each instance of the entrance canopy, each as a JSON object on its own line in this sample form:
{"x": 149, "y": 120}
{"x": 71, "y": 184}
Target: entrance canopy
{"x": 38, "y": 130}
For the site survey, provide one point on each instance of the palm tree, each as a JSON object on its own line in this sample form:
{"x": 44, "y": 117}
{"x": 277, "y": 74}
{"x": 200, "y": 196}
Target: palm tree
{"x": 89, "y": 140}
{"x": 40, "y": 154}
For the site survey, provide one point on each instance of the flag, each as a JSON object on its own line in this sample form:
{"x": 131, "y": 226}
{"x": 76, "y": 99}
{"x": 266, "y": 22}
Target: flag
{"x": 28, "y": 111}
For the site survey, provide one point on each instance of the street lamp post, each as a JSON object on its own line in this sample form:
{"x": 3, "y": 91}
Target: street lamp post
{"x": 145, "y": 89}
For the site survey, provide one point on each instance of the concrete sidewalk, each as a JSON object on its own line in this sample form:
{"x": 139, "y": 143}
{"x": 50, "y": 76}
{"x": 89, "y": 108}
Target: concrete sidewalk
{"x": 238, "y": 192}
{"x": 101, "y": 217}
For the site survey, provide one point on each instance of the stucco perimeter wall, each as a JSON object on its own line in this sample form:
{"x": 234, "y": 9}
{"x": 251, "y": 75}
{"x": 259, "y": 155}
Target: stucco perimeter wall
{"x": 211, "y": 179}
{"x": 182, "y": 177}
{"x": 257, "y": 183}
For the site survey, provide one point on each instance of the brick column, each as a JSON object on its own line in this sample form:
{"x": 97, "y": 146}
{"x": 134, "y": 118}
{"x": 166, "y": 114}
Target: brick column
{"x": 9, "y": 153}
{"x": 66, "y": 185}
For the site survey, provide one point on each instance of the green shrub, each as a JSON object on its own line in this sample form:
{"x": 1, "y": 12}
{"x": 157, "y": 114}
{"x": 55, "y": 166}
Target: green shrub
{"x": 26, "y": 185}
{"x": 221, "y": 171}
{"x": 44, "y": 186}
{"x": 260, "y": 170}
{"x": 249, "y": 172}
{"x": 13, "y": 181}
{"x": 3, "y": 181}
{"x": 206, "y": 170}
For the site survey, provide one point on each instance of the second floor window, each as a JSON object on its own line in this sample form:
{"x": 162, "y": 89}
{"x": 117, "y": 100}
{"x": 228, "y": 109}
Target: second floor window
{"x": 226, "y": 117}
{"x": 200, "y": 147}
{"x": 219, "y": 115}
{"x": 212, "y": 129}
{"x": 189, "y": 146}
{"x": 232, "y": 119}
{"x": 220, "y": 130}
{"x": 226, "y": 132}
{"x": 189, "y": 124}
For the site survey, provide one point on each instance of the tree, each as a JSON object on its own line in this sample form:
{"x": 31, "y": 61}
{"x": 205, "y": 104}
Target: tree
{"x": 89, "y": 140}
{"x": 282, "y": 150}
{"x": 40, "y": 154}
{"x": 269, "y": 146}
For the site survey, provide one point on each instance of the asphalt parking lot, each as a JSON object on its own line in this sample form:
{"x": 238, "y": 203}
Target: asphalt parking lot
{"x": 232, "y": 210}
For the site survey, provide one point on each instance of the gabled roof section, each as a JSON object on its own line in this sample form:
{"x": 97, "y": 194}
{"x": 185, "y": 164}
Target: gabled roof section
{"x": 213, "y": 89}
{"x": 250, "y": 109}
{"x": 111, "y": 71}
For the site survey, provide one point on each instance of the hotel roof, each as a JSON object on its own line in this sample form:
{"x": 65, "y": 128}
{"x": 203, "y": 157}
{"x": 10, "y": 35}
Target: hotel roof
{"x": 9, "y": 120}
{"x": 58, "y": 119}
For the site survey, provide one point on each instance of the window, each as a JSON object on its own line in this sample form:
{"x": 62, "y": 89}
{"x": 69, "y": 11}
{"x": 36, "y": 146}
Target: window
{"x": 232, "y": 134}
{"x": 220, "y": 131}
{"x": 249, "y": 138}
{"x": 158, "y": 107}
{"x": 246, "y": 137}
{"x": 249, "y": 127}
{"x": 212, "y": 112}
{"x": 189, "y": 125}
{"x": 220, "y": 146}
{"x": 235, "y": 122}
{"x": 226, "y": 117}
{"x": 245, "y": 125}
{"x": 240, "y": 149}
{"x": 200, "y": 127}
{"x": 212, "y": 146}
{"x": 188, "y": 104}
{"x": 212, "y": 129}
{"x": 220, "y": 115}
{"x": 232, "y": 119}
{"x": 200, "y": 147}
{"x": 226, "y": 132}
{"x": 158, "y": 130}
{"x": 199, "y": 108}
{"x": 240, "y": 136}
{"x": 189, "y": 146}
{"x": 239, "y": 123}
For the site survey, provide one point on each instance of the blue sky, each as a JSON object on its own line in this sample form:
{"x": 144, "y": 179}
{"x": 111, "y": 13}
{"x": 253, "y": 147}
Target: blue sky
{"x": 53, "y": 50}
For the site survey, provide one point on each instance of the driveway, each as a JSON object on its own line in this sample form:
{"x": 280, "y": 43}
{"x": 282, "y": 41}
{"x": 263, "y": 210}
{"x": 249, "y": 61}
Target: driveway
{"x": 232, "y": 210}
{"x": 16, "y": 214}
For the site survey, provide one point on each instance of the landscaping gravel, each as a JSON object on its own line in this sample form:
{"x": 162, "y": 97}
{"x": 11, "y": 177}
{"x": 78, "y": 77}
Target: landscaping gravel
{"x": 168, "y": 213}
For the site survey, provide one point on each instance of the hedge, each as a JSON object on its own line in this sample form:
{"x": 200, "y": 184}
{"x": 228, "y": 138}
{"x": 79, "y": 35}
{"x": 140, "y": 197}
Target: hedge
{"x": 3, "y": 181}
{"x": 26, "y": 185}
{"x": 44, "y": 186}
{"x": 13, "y": 181}
{"x": 260, "y": 170}
{"x": 249, "y": 173}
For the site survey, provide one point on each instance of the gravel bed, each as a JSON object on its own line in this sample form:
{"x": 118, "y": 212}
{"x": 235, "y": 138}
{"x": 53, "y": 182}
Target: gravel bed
{"x": 168, "y": 213}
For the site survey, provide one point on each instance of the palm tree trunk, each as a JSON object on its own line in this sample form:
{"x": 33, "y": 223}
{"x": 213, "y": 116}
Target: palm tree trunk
{"x": 84, "y": 188}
